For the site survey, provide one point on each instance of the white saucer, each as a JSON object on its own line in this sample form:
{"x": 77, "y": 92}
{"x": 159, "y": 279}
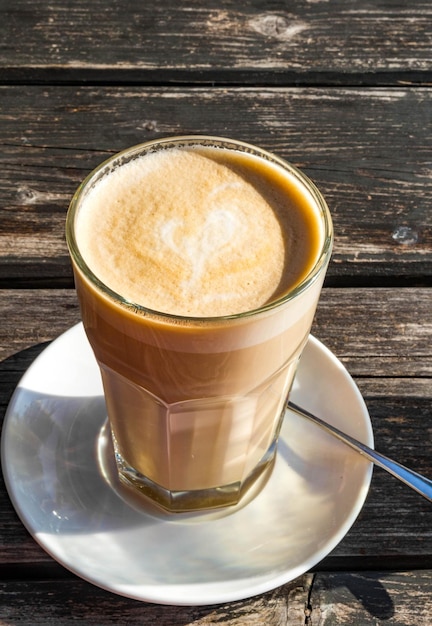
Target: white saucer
{"x": 51, "y": 447}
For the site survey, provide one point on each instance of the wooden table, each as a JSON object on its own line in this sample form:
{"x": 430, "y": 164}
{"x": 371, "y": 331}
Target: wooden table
{"x": 340, "y": 88}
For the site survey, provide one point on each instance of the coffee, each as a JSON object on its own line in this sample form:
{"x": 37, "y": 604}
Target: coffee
{"x": 210, "y": 250}
{"x": 199, "y": 232}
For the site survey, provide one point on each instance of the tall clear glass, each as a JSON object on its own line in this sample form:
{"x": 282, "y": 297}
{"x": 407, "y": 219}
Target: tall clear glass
{"x": 195, "y": 404}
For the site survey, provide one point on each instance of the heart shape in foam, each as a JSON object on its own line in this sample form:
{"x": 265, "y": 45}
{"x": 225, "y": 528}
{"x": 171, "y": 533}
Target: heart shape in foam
{"x": 198, "y": 247}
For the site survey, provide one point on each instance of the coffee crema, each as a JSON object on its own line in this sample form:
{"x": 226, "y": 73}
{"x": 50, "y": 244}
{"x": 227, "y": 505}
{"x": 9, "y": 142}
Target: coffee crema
{"x": 199, "y": 232}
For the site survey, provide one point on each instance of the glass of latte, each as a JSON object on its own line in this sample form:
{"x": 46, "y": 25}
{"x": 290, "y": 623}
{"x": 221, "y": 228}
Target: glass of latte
{"x": 198, "y": 264}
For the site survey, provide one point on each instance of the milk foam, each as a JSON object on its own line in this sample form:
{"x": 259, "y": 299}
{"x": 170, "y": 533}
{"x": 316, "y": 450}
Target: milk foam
{"x": 184, "y": 233}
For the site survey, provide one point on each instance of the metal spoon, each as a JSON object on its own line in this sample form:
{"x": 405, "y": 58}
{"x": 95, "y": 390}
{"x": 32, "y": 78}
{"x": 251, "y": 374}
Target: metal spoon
{"x": 419, "y": 483}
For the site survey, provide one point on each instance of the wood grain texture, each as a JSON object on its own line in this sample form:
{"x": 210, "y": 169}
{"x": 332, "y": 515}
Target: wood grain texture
{"x": 377, "y": 333}
{"x": 226, "y": 41}
{"x": 365, "y": 150}
{"x": 370, "y": 598}
{"x": 61, "y": 603}
{"x": 320, "y": 599}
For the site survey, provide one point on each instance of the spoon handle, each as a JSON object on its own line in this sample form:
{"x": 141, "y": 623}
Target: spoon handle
{"x": 416, "y": 481}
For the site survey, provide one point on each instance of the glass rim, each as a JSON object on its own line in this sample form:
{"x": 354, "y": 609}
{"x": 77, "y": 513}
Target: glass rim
{"x": 121, "y": 158}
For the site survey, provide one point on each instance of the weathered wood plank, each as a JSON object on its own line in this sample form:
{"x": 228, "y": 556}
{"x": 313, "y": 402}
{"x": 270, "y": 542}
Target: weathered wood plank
{"x": 376, "y": 333}
{"x": 322, "y": 599}
{"x": 225, "y": 41}
{"x": 366, "y": 150}
{"x": 382, "y": 332}
{"x": 61, "y": 603}
{"x": 370, "y": 598}
{"x": 25, "y": 314}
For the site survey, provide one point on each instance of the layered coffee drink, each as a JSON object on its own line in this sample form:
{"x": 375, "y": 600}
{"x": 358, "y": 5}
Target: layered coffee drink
{"x": 198, "y": 266}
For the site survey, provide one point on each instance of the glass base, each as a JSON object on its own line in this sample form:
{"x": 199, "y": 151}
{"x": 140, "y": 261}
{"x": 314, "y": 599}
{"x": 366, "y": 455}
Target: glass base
{"x": 197, "y": 499}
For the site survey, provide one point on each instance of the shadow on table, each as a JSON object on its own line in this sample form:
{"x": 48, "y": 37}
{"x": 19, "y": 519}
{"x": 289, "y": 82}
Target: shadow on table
{"x": 339, "y": 588}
